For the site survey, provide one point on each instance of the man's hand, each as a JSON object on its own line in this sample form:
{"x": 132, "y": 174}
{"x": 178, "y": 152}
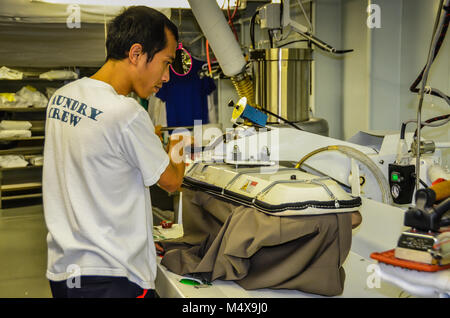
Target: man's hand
{"x": 171, "y": 179}
{"x": 177, "y": 144}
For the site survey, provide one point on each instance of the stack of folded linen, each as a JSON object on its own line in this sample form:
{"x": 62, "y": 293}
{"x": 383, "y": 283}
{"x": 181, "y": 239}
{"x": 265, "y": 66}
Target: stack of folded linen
{"x": 12, "y": 161}
{"x": 36, "y": 160}
{"x": 27, "y": 96}
{"x": 10, "y": 74}
{"x": 417, "y": 283}
{"x": 15, "y": 129}
{"x": 59, "y": 74}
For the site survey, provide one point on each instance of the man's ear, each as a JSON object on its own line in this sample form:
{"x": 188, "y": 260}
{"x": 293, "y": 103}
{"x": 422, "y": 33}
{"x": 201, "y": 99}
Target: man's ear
{"x": 135, "y": 51}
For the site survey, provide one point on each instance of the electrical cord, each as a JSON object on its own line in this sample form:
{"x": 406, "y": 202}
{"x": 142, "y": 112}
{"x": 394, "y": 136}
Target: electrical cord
{"x": 208, "y": 58}
{"x": 425, "y": 123}
{"x": 231, "y": 17}
{"x": 413, "y": 88}
{"x": 438, "y": 93}
{"x": 343, "y": 51}
{"x": 290, "y": 42}
{"x": 252, "y": 28}
{"x": 429, "y": 122}
{"x": 322, "y": 45}
{"x": 421, "y": 181}
{"x": 270, "y": 38}
{"x": 279, "y": 117}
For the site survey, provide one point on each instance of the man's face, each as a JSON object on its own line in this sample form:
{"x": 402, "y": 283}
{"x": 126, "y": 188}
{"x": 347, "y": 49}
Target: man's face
{"x": 151, "y": 75}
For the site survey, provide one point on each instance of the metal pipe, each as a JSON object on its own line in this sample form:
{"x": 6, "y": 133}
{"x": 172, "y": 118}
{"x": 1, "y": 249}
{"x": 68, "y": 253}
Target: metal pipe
{"x": 220, "y": 37}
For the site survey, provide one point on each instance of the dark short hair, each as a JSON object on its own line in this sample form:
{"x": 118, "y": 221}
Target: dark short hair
{"x": 138, "y": 24}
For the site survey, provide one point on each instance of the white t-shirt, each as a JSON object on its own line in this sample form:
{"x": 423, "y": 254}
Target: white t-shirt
{"x": 100, "y": 156}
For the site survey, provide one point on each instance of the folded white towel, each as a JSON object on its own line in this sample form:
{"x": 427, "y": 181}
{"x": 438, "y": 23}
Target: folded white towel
{"x": 16, "y": 133}
{"x": 8, "y": 73}
{"x": 58, "y": 74}
{"x": 425, "y": 284}
{"x": 12, "y": 161}
{"x": 37, "y": 160}
{"x": 15, "y": 125}
{"x": 32, "y": 96}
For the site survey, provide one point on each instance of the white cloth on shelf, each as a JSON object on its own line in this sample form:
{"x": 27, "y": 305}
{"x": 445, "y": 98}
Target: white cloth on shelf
{"x": 37, "y": 160}
{"x": 424, "y": 284}
{"x": 6, "y": 98}
{"x": 13, "y": 100}
{"x": 32, "y": 96}
{"x": 7, "y": 73}
{"x": 15, "y": 125}
{"x": 12, "y": 161}
{"x": 58, "y": 74}
{"x": 15, "y": 133}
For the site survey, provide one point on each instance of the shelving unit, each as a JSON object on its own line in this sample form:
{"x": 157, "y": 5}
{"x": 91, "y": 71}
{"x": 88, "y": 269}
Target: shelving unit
{"x": 22, "y": 186}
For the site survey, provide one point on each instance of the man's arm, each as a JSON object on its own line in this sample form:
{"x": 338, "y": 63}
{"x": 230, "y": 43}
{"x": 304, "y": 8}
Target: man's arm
{"x": 172, "y": 177}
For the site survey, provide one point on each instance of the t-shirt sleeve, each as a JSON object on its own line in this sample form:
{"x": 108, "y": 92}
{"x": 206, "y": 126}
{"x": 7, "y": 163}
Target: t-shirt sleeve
{"x": 142, "y": 148}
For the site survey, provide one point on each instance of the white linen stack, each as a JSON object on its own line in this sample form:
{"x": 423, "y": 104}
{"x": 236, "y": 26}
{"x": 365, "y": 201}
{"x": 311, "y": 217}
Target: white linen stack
{"x": 15, "y": 129}
{"x": 423, "y": 284}
{"x": 12, "y": 161}
{"x": 36, "y": 160}
{"x": 26, "y": 97}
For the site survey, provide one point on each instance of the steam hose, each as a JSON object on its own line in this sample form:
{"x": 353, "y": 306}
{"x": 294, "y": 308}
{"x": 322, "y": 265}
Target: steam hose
{"x": 224, "y": 45}
{"x": 361, "y": 157}
{"x": 244, "y": 88}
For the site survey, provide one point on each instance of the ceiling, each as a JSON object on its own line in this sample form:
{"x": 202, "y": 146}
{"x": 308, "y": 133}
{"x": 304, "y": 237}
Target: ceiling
{"x": 35, "y": 34}
{"x": 27, "y": 11}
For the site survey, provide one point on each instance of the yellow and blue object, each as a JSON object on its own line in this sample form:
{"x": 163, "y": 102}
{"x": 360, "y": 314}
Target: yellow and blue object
{"x": 245, "y": 111}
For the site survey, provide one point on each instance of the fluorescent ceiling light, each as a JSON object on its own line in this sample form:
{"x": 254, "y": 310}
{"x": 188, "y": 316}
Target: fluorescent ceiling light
{"x": 183, "y": 4}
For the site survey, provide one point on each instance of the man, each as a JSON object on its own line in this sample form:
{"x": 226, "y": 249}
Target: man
{"x": 101, "y": 155}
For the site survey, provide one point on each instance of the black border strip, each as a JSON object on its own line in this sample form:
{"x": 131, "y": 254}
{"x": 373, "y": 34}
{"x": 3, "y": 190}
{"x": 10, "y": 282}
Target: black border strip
{"x": 233, "y": 197}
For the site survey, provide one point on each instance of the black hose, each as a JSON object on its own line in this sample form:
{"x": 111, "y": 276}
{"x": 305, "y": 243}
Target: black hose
{"x": 402, "y": 131}
{"x": 445, "y": 222}
{"x": 284, "y": 44}
{"x": 432, "y": 120}
{"x": 413, "y": 88}
{"x": 443, "y": 207}
{"x": 322, "y": 45}
{"x": 403, "y": 128}
{"x": 420, "y": 180}
{"x": 343, "y": 51}
{"x": 269, "y": 32}
{"x": 283, "y": 119}
{"x": 252, "y": 28}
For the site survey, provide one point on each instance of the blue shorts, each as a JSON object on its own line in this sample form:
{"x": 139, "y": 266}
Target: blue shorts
{"x": 100, "y": 287}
